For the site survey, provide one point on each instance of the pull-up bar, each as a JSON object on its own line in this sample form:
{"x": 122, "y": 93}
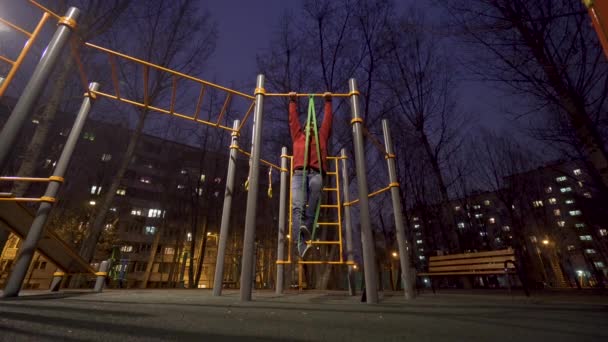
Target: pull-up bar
{"x": 313, "y": 95}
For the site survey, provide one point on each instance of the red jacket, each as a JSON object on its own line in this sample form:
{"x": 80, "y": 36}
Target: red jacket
{"x": 298, "y": 136}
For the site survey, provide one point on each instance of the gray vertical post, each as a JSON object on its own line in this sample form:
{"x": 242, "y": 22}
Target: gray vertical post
{"x": 182, "y": 271}
{"x": 367, "y": 239}
{"x": 56, "y": 283}
{"x": 250, "y": 216}
{"x": 348, "y": 226}
{"x": 26, "y": 252}
{"x": 218, "y": 279}
{"x": 35, "y": 85}
{"x": 404, "y": 256}
{"x": 282, "y": 219}
{"x": 101, "y": 276}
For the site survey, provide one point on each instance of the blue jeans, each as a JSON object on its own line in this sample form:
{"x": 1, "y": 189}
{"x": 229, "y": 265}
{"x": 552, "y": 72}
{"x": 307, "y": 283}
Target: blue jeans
{"x": 303, "y": 209}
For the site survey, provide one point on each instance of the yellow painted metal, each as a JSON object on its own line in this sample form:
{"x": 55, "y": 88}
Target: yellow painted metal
{"x": 26, "y": 48}
{"x": 265, "y": 162}
{"x": 9, "y": 61}
{"x": 30, "y": 179}
{"x": 249, "y": 111}
{"x": 224, "y": 109}
{"x": 57, "y": 16}
{"x": 173, "y": 72}
{"x": 305, "y": 95}
{"x": 15, "y": 27}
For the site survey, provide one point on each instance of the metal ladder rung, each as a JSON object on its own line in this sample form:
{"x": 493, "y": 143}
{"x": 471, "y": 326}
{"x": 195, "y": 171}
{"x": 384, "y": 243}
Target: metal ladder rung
{"x": 330, "y": 206}
{"x": 323, "y": 242}
{"x": 328, "y": 223}
{"x": 331, "y": 173}
{"x": 330, "y": 189}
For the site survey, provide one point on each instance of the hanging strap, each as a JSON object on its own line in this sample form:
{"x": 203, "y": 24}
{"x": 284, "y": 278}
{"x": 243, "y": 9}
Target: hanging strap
{"x": 311, "y": 122}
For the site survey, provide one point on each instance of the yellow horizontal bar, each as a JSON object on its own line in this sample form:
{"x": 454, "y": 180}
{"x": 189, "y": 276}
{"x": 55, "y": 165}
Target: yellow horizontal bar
{"x": 57, "y": 16}
{"x": 103, "y": 274}
{"x": 267, "y": 163}
{"x": 15, "y": 27}
{"x": 378, "y": 192}
{"x": 328, "y": 223}
{"x": 21, "y": 199}
{"x": 177, "y": 73}
{"x": 25, "y": 179}
{"x": 323, "y": 242}
{"x": 165, "y": 111}
{"x": 333, "y": 157}
{"x": 325, "y": 262}
{"x": 330, "y": 189}
{"x": 9, "y": 61}
{"x": 331, "y": 173}
{"x": 329, "y": 206}
{"x": 283, "y": 262}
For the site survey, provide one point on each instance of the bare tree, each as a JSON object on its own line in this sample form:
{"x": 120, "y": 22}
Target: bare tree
{"x": 547, "y": 52}
{"x": 164, "y": 32}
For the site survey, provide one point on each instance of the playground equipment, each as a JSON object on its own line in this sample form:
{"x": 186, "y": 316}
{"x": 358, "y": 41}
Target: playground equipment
{"x": 255, "y": 105}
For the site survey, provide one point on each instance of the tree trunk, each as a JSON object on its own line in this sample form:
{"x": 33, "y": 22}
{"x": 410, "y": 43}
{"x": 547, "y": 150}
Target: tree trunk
{"x": 144, "y": 282}
{"x": 88, "y": 247}
{"x": 201, "y": 257}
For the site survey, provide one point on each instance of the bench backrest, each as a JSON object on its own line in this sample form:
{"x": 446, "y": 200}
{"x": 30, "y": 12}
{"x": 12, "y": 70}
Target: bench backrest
{"x": 479, "y": 262}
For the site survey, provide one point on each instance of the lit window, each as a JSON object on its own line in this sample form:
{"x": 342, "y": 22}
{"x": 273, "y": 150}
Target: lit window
{"x": 589, "y": 251}
{"x": 421, "y": 250}
{"x": 487, "y": 202}
{"x": 416, "y": 226}
{"x": 180, "y": 186}
{"x": 169, "y": 250}
{"x": 460, "y": 224}
{"x": 145, "y": 180}
{"x": 418, "y": 241}
{"x": 483, "y": 233}
{"x": 183, "y": 172}
{"x": 599, "y": 264}
{"x": 108, "y": 226}
{"x": 150, "y": 230}
{"x": 35, "y": 121}
{"x": 585, "y": 237}
{"x": 560, "y": 179}
{"x": 603, "y": 232}
{"x": 579, "y": 225}
{"x": 506, "y": 228}
{"x": 575, "y": 212}
{"x": 136, "y": 212}
{"x": 154, "y": 213}
{"x": 121, "y": 192}
{"x": 456, "y": 208}
{"x": 422, "y": 257}
{"x": 557, "y": 212}
{"x": 533, "y": 238}
{"x": 202, "y": 178}
{"x": 414, "y": 219}
{"x": 587, "y": 194}
{"x": 569, "y": 201}
{"x": 106, "y": 157}
{"x": 566, "y": 189}
{"x": 577, "y": 172}
{"x": 570, "y": 247}
{"x": 552, "y": 200}
{"x": 492, "y": 220}
{"x": 537, "y": 204}
{"x": 561, "y": 223}
{"x": 47, "y": 163}
{"x": 548, "y": 189}
{"x": 93, "y": 189}
{"x": 580, "y": 184}
{"x": 478, "y": 215}
{"x": 113, "y": 209}
{"x": 189, "y": 236}
{"x": 88, "y": 136}
{"x": 126, "y": 249}
{"x": 497, "y": 239}
{"x": 92, "y": 202}
{"x": 476, "y": 206}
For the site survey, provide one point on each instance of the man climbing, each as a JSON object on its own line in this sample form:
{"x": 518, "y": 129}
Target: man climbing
{"x": 307, "y": 180}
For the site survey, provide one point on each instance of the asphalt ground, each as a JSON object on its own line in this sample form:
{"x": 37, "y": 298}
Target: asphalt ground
{"x": 195, "y": 315}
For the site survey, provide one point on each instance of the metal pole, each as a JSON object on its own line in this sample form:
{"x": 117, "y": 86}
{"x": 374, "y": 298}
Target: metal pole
{"x": 26, "y": 252}
{"x": 101, "y": 276}
{"x": 56, "y": 283}
{"x": 348, "y": 226}
{"x": 182, "y": 271}
{"x": 282, "y": 219}
{"x": 367, "y": 240}
{"x": 404, "y": 256}
{"x": 35, "y": 85}
{"x": 218, "y": 279}
{"x": 252, "y": 194}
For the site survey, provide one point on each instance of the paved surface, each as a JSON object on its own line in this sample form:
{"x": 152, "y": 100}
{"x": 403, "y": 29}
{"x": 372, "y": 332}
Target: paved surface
{"x": 194, "y": 315}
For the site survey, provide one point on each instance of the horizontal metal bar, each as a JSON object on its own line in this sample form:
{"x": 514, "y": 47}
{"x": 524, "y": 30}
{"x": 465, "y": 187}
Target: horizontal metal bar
{"x": 330, "y": 206}
{"x": 305, "y": 95}
{"x": 24, "y": 179}
{"x": 165, "y": 111}
{"x": 261, "y": 160}
{"x": 328, "y": 223}
{"x": 9, "y": 61}
{"x": 57, "y": 16}
{"x": 15, "y": 27}
{"x": 325, "y": 262}
{"x": 330, "y": 189}
{"x": 177, "y": 73}
{"x": 323, "y": 242}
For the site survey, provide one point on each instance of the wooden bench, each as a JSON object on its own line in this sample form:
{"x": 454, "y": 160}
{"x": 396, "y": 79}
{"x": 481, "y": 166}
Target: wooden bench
{"x": 479, "y": 263}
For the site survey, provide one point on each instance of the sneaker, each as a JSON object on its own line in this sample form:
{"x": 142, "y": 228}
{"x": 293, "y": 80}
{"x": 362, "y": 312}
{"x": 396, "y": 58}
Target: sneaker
{"x": 306, "y": 252}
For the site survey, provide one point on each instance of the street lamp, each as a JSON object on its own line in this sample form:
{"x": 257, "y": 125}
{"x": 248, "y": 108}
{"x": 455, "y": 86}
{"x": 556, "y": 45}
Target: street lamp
{"x": 545, "y": 242}
{"x": 394, "y": 254}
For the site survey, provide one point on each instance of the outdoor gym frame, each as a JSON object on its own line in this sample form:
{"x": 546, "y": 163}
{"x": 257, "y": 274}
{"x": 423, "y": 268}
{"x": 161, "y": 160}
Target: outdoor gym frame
{"x": 39, "y": 78}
